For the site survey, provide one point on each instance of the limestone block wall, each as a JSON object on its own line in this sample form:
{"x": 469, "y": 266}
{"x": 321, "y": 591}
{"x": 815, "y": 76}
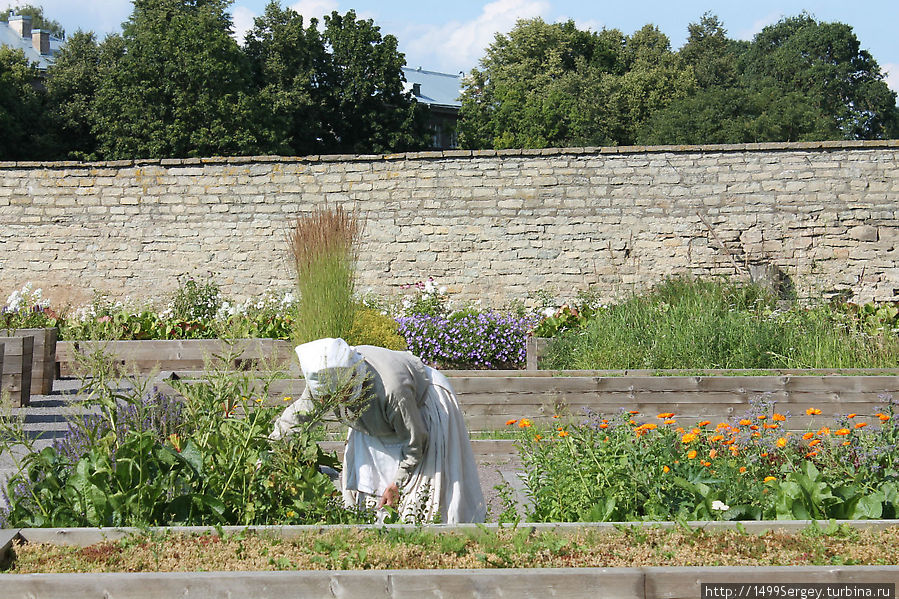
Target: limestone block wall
{"x": 490, "y": 225}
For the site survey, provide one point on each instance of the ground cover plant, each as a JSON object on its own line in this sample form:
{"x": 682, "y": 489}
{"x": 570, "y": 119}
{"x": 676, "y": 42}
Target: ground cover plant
{"x": 139, "y": 458}
{"x": 720, "y": 324}
{"x": 630, "y": 467}
{"x": 354, "y": 549}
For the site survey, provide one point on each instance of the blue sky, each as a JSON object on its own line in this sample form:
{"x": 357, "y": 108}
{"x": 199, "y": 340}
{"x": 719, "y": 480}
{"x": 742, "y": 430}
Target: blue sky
{"x": 451, "y": 36}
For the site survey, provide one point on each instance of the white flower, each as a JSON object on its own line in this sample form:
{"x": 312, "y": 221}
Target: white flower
{"x": 549, "y": 312}
{"x": 429, "y": 287}
{"x": 720, "y": 506}
{"x": 442, "y": 290}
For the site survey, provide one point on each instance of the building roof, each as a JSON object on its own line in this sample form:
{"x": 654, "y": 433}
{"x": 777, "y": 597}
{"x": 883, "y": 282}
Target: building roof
{"x": 433, "y": 88}
{"x": 9, "y": 37}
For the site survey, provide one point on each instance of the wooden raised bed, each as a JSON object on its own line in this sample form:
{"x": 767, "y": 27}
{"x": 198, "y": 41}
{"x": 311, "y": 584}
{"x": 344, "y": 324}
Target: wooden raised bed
{"x": 43, "y": 365}
{"x": 488, "y": 401}
{"x": 144, "y": 357}
{"x": 16, "y": 375}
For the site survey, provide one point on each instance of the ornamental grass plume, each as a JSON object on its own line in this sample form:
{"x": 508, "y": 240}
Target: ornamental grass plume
{"x": 324, "y": 245}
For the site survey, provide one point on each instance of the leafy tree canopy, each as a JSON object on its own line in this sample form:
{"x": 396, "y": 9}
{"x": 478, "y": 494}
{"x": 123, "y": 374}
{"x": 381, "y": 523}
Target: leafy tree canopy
{"x": 20, "y": 107}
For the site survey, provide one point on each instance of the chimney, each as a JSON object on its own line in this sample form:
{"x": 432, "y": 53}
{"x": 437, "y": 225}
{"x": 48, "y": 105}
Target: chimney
{"x": 21, "y": 24}
{"x": 416, "y": 90}
{"x": 41, "y": 41}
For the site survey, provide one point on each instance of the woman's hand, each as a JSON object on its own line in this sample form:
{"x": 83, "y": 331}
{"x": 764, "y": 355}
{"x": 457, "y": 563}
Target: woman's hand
{"x": 390, "y": 496}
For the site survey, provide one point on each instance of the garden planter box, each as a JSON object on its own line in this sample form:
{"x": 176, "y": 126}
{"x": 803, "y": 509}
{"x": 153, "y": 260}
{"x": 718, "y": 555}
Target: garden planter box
{"x": 43, "y": 366}
{"x": 535, "y": 348}
{"x": 143, "y": 357}
{"x": 16, "y": 375}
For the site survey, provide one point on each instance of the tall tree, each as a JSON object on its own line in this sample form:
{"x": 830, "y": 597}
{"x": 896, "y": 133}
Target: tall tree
{"x": 286, "y": 60}
{"x": 21, "y": 108}
{"x": 825, "y": 63}
{"x": 360, "y": 91}
{"x": 537, "y": 85}
{"x": 72, "y": 82}
{"x": 177, "y": 86}
{"x": 38, "y": 20}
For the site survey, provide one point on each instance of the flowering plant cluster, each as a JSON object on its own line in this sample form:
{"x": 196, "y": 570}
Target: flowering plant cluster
{"x": 467, "y": 339}
{"x": 26, "y": 309}
{"x": 631, "y": 467}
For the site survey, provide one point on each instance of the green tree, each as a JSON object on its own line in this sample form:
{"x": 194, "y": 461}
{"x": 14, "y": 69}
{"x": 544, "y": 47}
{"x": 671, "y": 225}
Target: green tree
{"x": 21, "y": 108}
{"x": 360, "y": 92}
{"x": 72, "y": 82}
{"x": 713, "y": 57}
{"x": 286, "y": 59}
{"x": 176, "y": 86}
{"x": 539, "y": 86}
{"x": 38, "y": 20}
{"x": 825, "y": 63}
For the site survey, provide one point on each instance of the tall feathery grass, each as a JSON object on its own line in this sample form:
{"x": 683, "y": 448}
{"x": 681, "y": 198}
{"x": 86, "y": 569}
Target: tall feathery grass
{"x": 324, "y": 245}
{"x": 714, "y": 324}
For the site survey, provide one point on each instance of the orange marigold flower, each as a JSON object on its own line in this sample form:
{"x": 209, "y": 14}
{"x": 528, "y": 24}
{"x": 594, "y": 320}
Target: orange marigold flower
{"x": 524, "y": 423}
{"x": 716, "y": 438}
{"x": 679, "y": 429}
{"x": 815, "y": 442}
{"x": 761, "y": 416}
{"x": 842, "y": 432}
{"x": 824, "y": 431}
{"x": 559, "y": 428}
{"x": 670, "y": 422}
{"x": 782, "y": 442}
{"x": 713, "y": 454}
{"x": 753, "y": 427}
{"x": 883, "y": 417}
{"x": 511, "y": 422}
{"x": 721, "y": 425}
{"x": 756, "y": 434}
{"x": 688, "y": 438}
{"x": 745, "y": 422}
{"x": 764, "y": 454}
{"x": 695, "y": 431}
{"x": 808, "y": 436}
{"x": 734, "y": 450}
{"x": 603, "y": 425}
{"x": 768, "y": 479}
{"x": 691, "y": 454}
{"x": 779, "y": 417}
{"x": 851, "y": 415}
{"x": 537, "y": 437}
{"x": 649, "y": 426}
{"x": 704, "y": 463}
{"x": 634, "y": 422}
{"x": 811, "y": 454}
{"x": 742, "y": 469}
{"x": 665, "y": 415}
{"x": 633, "y": 412}
{"x": 771, "y": 426}
{"x": 813, "y": 411}
{"x": 847, "y": 442}
{"x": 563, "y": 433}
{"x": 861, "y": 424}
{"x": 555, "y": 415}
{"x": 666, "y": 469}
{"x": 704, "y": 423}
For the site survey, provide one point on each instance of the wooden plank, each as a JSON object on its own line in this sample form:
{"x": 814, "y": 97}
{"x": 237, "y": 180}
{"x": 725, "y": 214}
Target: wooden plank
{"x": 16, "y": 375}
{"x": 43, "y": 369}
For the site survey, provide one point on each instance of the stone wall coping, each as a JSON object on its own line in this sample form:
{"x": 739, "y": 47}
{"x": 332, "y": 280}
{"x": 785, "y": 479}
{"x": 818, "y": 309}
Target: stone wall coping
{"x": 445, "y": 154}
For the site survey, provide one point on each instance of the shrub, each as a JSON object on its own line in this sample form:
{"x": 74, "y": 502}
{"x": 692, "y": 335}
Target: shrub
{"x": 370, "y": 327}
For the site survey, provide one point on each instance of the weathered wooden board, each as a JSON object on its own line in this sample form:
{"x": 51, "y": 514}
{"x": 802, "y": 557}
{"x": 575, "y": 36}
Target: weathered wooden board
{"x": 143, "y": 357}
{"x": 16, "y": 375}
{"x": 43, "y": 368}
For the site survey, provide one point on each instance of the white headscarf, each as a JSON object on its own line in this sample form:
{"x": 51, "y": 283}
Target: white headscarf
{"x": 327, "y": 363}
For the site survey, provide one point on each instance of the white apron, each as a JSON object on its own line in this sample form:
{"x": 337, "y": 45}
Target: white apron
{"x": 444, "y": 486}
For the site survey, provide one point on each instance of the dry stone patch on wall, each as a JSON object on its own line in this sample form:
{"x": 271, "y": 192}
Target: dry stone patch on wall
{"x": 492, "y": 225}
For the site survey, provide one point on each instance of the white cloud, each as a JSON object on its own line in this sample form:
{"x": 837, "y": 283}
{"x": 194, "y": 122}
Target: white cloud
{"x": 758, "y": 25}
{"x": 314, "y": 8}
{"x": 242, "y": 18}
{"x": 891, "y": 75}
{"x": 457, "y": 46}
{"x": 588, "y": 25}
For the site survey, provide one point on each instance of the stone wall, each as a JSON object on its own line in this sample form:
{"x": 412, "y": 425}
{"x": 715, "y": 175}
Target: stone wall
{"x": 490, "y": 225}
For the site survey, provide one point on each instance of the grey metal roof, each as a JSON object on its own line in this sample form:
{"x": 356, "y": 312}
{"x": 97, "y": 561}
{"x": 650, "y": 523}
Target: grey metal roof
{"x": 9, "y": 37}
{"x": 441, "y": 89}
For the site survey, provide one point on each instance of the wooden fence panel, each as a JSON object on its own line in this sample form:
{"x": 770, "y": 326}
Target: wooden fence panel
{"x": 16, "y": 375}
